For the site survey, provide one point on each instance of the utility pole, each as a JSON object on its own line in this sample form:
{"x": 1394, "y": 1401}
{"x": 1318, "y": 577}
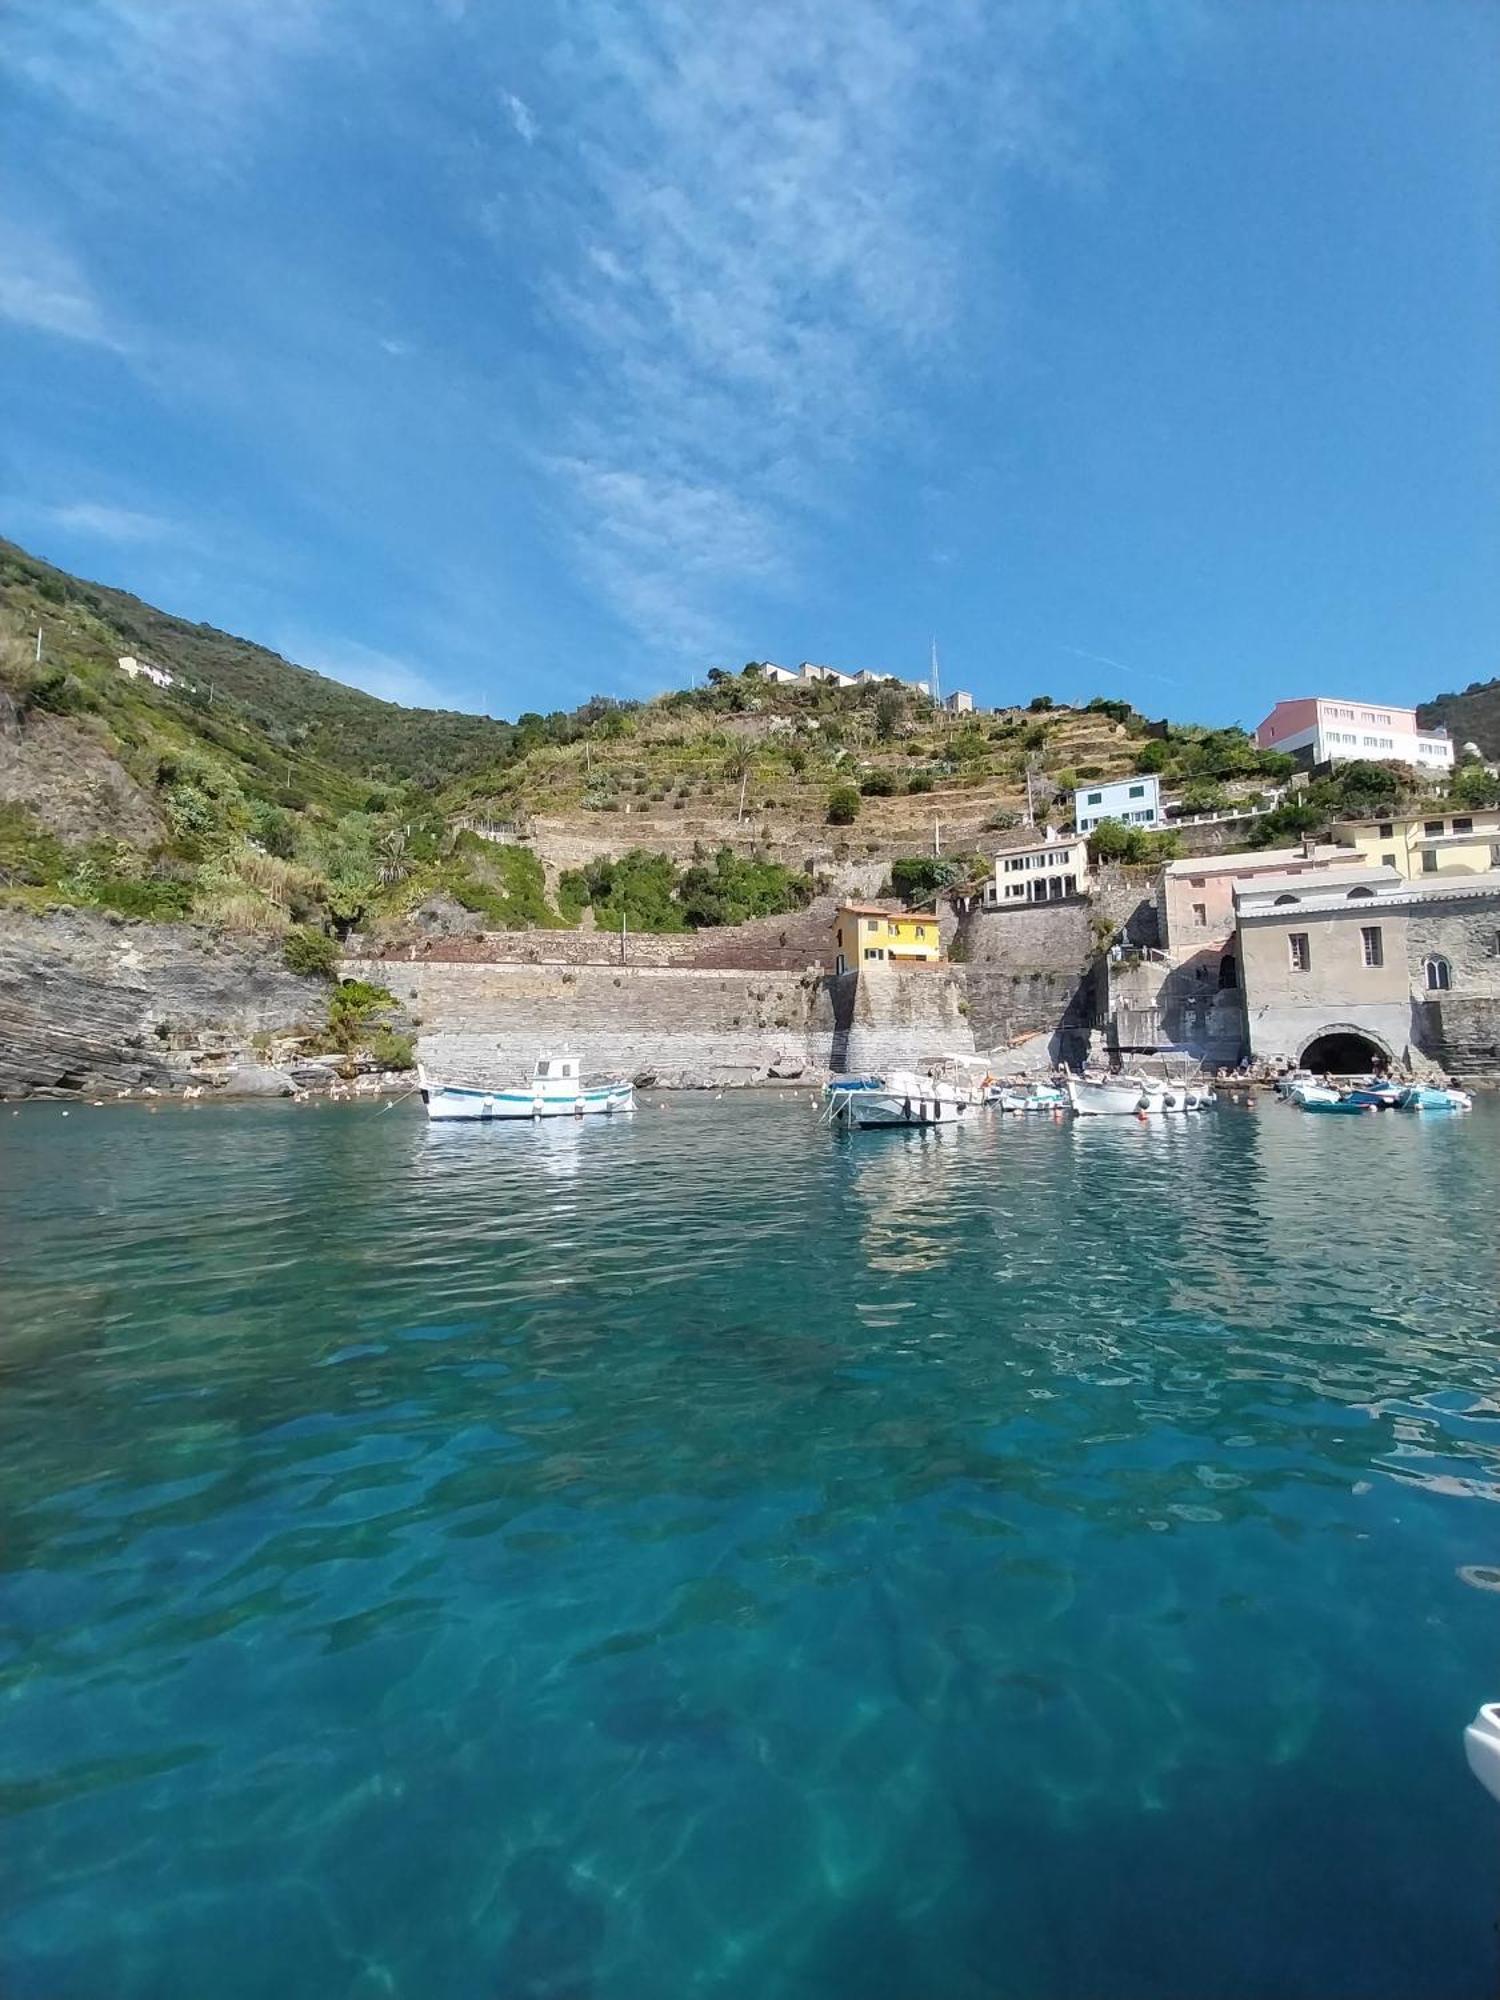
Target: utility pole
{"x": 1030, "y": 809}
{"x": 937, "y": 836}
{"x": 744, "y": 781}
{"x": 39, "y": 645}
{"x": 622, "y": 937}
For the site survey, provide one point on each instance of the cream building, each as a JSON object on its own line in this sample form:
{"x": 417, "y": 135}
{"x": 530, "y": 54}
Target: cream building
{"x": 1441, "y": 841}
{"x": 1046, "y": 871}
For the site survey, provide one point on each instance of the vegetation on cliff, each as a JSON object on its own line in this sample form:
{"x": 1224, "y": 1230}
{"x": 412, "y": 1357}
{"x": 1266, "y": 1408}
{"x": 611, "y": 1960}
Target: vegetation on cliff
{"x": 255, "y": 795}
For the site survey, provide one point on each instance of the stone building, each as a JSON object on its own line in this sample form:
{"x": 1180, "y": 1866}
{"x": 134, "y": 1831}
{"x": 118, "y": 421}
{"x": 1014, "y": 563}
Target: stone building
{"x": 1185, "y": 994}
{"x": 1343, "y": 975}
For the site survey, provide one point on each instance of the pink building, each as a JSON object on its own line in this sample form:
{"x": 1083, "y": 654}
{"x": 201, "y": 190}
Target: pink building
{"x": 1317, "y": 730}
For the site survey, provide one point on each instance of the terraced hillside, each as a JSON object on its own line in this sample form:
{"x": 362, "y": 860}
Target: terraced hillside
{"x": 232, "y": 787}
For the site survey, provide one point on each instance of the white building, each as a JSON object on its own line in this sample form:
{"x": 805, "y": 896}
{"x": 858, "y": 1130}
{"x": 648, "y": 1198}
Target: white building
{"x": 135, "y": 669}
{"x": 1133, "y": 801}
{"x": 769, "y": 671}
{"x": 959, "y": 703}
{"x": 811, "y": 671}
{"x": 1315, "y": 730}
{"x": 1044, "y": 872}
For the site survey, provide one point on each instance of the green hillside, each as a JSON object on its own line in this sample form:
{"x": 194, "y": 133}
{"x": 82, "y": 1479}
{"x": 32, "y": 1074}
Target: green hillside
{"x": 1470, "y": 717}
{"x": 254, "y": 794}
{"x": 292, "y": 707}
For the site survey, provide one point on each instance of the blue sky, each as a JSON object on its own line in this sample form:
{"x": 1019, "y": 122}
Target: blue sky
{"x": 496, "y": 356}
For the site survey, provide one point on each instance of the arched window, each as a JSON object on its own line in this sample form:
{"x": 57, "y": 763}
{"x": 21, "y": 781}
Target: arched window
{"x": 1438, "y": 974}
{"x": 1229, "y": 973}
{"x": 1362, "y": 890}
{"x": 1289, "y": 899}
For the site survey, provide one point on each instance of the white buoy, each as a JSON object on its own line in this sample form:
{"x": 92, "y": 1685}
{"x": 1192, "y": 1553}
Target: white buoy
{"x": 1482, "y": 1747}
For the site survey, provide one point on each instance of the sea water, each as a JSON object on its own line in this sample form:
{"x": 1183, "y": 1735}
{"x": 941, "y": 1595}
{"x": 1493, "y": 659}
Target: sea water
{"x": 704, "y": 1554}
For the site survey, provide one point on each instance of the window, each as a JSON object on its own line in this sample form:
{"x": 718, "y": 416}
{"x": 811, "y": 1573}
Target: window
{"x": 1432, "y": 826}
{"x": 841, "y": 964}
{"x": 1137, "y": 791}
{"x": 1495, "y": 854}
{"x": 1463, "y": 825}
{"x": 1437, "y": 974}
{"x": 1300, "y": 947}
{"x": 1361, "y": 889}
{"x": 1200, "y": 913}
{"x": 1386, "y": 830}
{"x": 1094, "y": 799}
{"x": 922, "y": 932}
{"x": 872, "y": 923}
{"x": 873, "y": 951}
{"x": 1429, "y": 862}
{"x": 1495, "y": 945}
{"x": 1387, "y": 860}
{"x": 893, "y": 930}
{"x": 1288, "y": 899}
{"x": 1374, "y": 948}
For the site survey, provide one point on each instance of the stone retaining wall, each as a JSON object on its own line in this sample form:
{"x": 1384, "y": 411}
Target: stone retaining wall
{"x": 680, "y": 1025}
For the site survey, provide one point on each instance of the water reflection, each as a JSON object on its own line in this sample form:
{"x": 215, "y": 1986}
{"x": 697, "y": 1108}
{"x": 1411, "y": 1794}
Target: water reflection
{"x": 704, "y": 1552}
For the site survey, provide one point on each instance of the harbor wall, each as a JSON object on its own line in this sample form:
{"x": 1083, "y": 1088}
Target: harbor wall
{"x": 1031, "y": 982}
{"x": 893, "y": 1016}
{"x": 680, "y": 1026}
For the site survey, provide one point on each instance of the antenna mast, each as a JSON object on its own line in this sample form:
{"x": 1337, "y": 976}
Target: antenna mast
{"x": 937, "y": 685}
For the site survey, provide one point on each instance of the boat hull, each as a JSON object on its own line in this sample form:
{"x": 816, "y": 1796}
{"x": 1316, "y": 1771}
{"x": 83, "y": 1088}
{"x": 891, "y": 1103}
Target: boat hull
{"x": 1344, "y": 1106}
{"x": 1105, "y": 1100}
{"x": 900, "y": 1099}
{"x": 449, "y": 1104}
{"x": 1424, "y": 1098}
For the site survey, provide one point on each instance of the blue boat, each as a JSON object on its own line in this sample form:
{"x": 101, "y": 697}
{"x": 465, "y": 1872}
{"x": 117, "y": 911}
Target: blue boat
{"x": 1383, "y": 1096}
{"x": 1429, "y": 1097}
{"x": 1344, "y": 1105}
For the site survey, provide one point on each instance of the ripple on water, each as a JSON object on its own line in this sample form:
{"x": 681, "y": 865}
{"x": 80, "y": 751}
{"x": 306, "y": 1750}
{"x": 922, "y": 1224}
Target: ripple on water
{"x": 710, "y": 1554}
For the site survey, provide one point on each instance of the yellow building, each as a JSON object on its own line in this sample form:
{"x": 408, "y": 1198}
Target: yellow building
{"x": 1439, "y": 841}
{"x": 870, "y": 934}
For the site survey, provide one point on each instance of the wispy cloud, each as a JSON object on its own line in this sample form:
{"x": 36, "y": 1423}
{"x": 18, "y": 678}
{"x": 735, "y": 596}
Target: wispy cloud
{"x": 43, "y": 287}
{"x": 769, "y": 225}
{"x": 521, "y": 116}
{"x": 105, "y": 523}
{"x": 183, "y": 70}
{"x": 381, "y": 674}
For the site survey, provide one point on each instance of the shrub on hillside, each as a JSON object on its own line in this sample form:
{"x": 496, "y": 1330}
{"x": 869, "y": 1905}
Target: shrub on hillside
{"x": 843, "y": 806}
{"x": 311, "y": 952}
{"x": 1113, "y": 841}
{"x": 879, "y": 785}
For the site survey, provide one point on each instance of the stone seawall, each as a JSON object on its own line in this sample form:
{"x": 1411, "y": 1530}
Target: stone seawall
{"x": 1031, "y": 982}
{"x": 895, "y": 1017}
{"x": 681, "y": 1026}
{"x": 93, "y": 1004}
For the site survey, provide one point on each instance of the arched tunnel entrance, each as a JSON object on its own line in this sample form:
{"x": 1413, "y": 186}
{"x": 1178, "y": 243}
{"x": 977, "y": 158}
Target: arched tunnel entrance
{"x": 1344, "y": 1052}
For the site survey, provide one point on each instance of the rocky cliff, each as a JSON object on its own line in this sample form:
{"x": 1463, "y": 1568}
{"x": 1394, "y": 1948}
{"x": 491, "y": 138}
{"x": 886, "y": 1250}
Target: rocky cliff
{"x": 93, "y": 1004}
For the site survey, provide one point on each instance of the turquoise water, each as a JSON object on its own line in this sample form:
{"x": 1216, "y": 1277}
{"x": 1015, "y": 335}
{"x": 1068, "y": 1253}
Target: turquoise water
{"x": 708, "y": 1556}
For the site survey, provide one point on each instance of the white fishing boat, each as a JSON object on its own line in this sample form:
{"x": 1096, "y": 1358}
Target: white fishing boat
{"x": 1311, "y": 1091}
{"x": 1176, "y": 1094}
{"x": 1115, "y": 1096}
{"x": 899, "y": 1097}
{"x": 556, "y": 1090}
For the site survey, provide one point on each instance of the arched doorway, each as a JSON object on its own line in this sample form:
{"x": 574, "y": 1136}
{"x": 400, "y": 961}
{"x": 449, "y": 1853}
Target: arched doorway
{"x": 1341, "y": 1051}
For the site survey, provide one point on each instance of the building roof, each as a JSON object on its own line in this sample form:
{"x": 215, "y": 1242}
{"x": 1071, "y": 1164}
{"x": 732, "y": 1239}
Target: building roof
{"x": 1045, "y": 845}
{"x": 1410, "y": 817}
{"x": 1336, "y": 882}
{"x": 1257, "y": 860}
{"x": 1391, "y": 891}
{"x": 883, "y": 910}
